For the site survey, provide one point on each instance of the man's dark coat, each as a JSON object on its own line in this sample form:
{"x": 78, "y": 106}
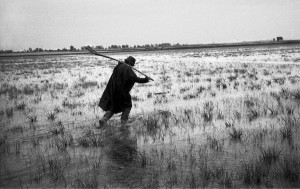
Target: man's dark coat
{"x": 116, "y": 96}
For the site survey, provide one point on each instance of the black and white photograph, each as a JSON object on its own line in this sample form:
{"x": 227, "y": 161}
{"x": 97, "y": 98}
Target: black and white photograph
{"x": 149, "y": 94}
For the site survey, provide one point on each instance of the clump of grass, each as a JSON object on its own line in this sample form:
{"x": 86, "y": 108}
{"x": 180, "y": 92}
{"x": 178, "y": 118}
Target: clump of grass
{"x": 27, "y": 90}
{"x": 236, "y": 134}
{"x": 61, "y": 144}
{"x": 86, "y": 180}
{"x": 51, "y": 116}
{"x": 253, "y": 172}
{"x": 171, "y": 165}
{"x": 135, "y": 98}
{"x": 58, "y": 130}
{"x": 286, "y": 133}
{"x": 270, "y": 154}
{"x": 289, "y": 109}
{"x": 220, "y": 115}
{"x": 206, "y": 174}
{"x": 252, "y": 114}
{"x": 143, "y": 160}
{"x": 214, "y": 143}
{"x": 273, "y": 110}
{"x": 149, "y": 95}
{"x": 229, "y": 124}
{"x": 86, "y": 84}
{"x": 35, "y": 141}
{"x": 237, "y": 115}
{"x": 151, "y": 124}
{"x": 68, "y": 104}
{"x": 21, "y": 106}
{"x": 17, "y": 147}
{"x": 152, "y": 181}
{"x": 32, "y": 119}
{"x": 17, "y": 129}
{"x": 290, "y": 166}
{"x": 37, "y": 99}
{"x": 55, "y": 168}
{"x": 290, "y": 121}
{"x": 90, "y": 140}
{"x": 296, "y": 94}
{"x": 223, "y": 177}
{"x": 3, "y": 140}
{"x": 9, "y": 112}
{"x": 207, "y": 113}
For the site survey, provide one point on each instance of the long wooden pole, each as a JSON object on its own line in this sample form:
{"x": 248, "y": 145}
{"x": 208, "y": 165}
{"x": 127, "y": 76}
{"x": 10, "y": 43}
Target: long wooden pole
{"x": 98, "y": 54}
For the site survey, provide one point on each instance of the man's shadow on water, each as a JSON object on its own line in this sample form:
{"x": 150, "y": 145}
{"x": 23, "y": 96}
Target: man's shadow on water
{"x": 123, "y": 166}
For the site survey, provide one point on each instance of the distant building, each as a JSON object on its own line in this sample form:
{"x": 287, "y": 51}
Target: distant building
{"x": 279, "y": 38}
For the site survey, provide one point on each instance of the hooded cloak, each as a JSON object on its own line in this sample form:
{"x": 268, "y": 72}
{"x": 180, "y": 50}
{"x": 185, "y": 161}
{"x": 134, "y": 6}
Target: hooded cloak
{"x": 116, "y": 96}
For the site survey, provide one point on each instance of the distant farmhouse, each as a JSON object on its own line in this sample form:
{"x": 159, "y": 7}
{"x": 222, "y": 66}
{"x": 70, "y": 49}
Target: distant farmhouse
{"x": 279, "y": 38}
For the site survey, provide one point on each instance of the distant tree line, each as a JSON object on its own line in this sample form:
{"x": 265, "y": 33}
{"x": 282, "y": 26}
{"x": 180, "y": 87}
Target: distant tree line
{"x": 98, "y": 47}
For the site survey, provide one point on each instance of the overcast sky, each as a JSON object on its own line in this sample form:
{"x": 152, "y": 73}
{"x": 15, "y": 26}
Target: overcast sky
{"x": 53, "y": 24}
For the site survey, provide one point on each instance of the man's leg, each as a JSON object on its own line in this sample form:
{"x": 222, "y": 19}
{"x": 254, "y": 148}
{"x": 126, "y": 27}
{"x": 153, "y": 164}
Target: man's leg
{"x": 125, "y": 115}
{"x": 102, "y": 122}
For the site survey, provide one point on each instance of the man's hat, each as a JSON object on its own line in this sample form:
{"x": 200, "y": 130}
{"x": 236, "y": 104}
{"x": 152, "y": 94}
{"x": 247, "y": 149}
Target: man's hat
{"x": 130, "y": 60}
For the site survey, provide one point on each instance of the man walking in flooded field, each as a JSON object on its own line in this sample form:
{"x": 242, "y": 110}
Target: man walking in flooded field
{"x": 116, "y": 97}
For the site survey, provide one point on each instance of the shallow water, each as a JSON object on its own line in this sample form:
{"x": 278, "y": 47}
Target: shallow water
{"x": 206, "y": 94}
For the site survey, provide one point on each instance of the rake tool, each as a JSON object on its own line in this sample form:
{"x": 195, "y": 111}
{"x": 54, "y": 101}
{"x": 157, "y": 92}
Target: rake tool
{"x": 92, "y": 51}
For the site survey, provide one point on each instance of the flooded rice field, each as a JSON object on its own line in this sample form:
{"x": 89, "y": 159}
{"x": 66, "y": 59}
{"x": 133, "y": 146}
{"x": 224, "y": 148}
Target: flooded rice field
{"x": 226, "y": 117}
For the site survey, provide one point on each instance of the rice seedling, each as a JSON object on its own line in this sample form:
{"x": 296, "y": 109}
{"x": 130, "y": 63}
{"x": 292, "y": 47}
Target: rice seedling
{"x": 51, "y": 116}
{"x": 214, "y": 143}
{"x": 273, "y": 110}
{"x": 220, "y": 115}
{"x": 237, "y": 115}
{"x": 69, "y": 104}
{"x": 89, "y": 139}
{"x": 3, "y": 140}
{"x": 290, "y": 121}
{"x": 21, "y": 105}
{"x": 9, "y": 112}
{"x": 229, "y": 124}
{"x": 56, "y": 169}
{"x": 223, "y": 177}
{"x": 286, "y": 133}
{"x": 17, "y": 147}
{"x": 27, "y": 90}
{"x": 35, "y": 141}
{"x": 32, "y": 119}
{"x": 151, "y": 124}
{"x": 290, "y": 166}
{"x": 270, "y": 154}
{"x": 207, "y": 113}
{"x": 171, "y": 165}
{"x": 37, "y": 99}
{"x": 87, "y": 180}
{"x": 152, "y": 181}
{"x": 296, "y": 94}
{"x": 149, "y": 95}
{"x": 252, "y": 114}
{"x": 289, "y": 109}
{"x": 17, "y": 129}
{"x": 235, "y": 134}
{"x": 253, "y": 172}
{"x": 2, "y": 112}
{"x": 205, "y": 174}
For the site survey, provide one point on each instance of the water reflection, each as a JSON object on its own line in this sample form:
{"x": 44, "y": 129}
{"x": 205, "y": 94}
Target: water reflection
{"x": 123, "y": 167}
{"x": 122, "y": 147}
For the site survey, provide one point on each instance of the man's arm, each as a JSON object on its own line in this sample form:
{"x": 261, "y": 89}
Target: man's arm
{"x": 135, "y": 78}
{"x": 142, "y": 80}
